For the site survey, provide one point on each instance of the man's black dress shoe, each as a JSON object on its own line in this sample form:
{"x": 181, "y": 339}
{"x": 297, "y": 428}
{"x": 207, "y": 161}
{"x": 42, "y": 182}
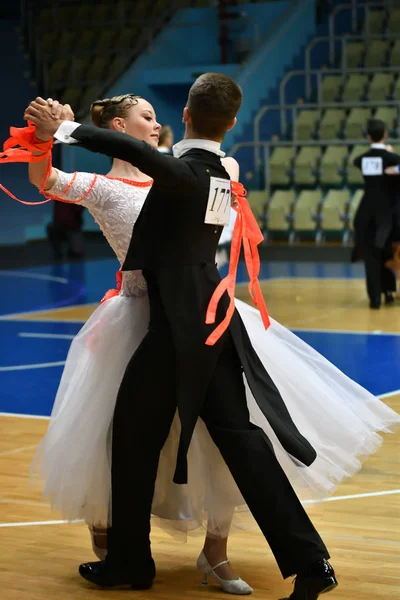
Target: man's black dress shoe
{"x": 100, "y": 574}
{"x": 389, "y": 298}
{"x": 319, "y": 581}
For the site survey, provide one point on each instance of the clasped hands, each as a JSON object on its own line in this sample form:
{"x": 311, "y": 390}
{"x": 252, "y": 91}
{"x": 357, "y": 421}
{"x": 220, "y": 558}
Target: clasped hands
{"x": 47, "y": 115}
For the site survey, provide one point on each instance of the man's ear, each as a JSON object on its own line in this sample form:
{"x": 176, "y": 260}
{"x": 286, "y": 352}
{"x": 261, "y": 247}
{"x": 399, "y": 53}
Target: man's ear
{"x": 232, "y": 124}
{"x": 186, "y": 118}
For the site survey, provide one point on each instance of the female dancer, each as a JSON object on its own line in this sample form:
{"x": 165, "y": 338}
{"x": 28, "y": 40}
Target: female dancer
{"x": 337, "y": 416}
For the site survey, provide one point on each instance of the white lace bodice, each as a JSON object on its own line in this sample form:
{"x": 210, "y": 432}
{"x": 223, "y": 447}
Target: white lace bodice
{"x": 115, "y": 206}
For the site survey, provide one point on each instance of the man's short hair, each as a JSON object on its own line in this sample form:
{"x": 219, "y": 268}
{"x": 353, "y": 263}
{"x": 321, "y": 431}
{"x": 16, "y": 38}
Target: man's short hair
{"x": 214, "y": 100}
{"x": 376, "y": 129}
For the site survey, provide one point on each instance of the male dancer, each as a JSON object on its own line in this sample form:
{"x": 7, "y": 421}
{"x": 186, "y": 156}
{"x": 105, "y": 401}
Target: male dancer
{"x": 178, "y": 366}
{"x": 373, "y": 222}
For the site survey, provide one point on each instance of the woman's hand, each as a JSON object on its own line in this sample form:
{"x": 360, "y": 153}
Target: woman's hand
{"x": 40, "y": 112}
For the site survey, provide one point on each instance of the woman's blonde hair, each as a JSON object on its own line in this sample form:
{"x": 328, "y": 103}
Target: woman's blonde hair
{"x": 104, "y": 111}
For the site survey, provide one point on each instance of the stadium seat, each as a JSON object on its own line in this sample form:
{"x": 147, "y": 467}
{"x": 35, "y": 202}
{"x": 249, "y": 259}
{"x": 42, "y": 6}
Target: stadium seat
{"x": 354, "y": 176}
{"x": 78, "y": 69}
{"x": 394, "y": 21}
{"x": 330, "y": 88}
{"x": 333, "y": 211}
{"x": 354, "y": 88}
{"x": 354, "y": 204}
{"x": 357, "y": 122}
{"x": 306, "y": 124}
{"x": 97, "y": 69}
{"x": 279, "y": 210}
{"x": 58, "y": 70}
{"x": 396, "y": 91}
{"x": 331, "y": 165}
{"x": 395, "y": 55}
{"x": 280, "y": 164}
{"x": 376, "y": 22}
{"x": 104, "y": 41}
{"x": 332, "y": 123}
{"x": 306, "y": 210}
{"x": 258, "y": 200}
{"x": 48, "y": 42}
{"x": 305, "y": 165}
{"x": 389, "y": 115}
{"x": 377, "y": 52}
{"x": 72, "y": 96}
{"x": 380, "y": 87}
{"x": 85, "y": 40}
{"x": 354, "y": 54}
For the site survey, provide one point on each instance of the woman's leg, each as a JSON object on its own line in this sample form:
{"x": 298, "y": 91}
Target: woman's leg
{"x": 215, "y": 549}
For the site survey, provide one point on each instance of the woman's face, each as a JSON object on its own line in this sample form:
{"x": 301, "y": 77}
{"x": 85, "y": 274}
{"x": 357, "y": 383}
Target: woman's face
{"x": 140, "y": 123}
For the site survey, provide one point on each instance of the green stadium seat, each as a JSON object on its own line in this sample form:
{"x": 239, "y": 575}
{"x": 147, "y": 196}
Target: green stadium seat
{"x": 389, "y": 115}
{"x": 394, "y": 21}
{"x": 97, "y": 69}
{"x": 396, "y": 91}
{"x": 72, "y": 96}
{"x": 356, "y": 123}
{"x": 332, "y": 123}
{"x": 305, "y": 165}
{"x": 306, "y": 209}
{"x": 380, "y": 87}
{"x": 376, "y": 22}
{"x": 354, "y": 176}
{"x": 331, "y": 165}
{"x": 330, "y": 88}
{"x": 333, "y": 211}
{"x": 279, "y": 165}
{"x": 279, "y": 209}
{"x": 306, "y": 124}
{"x": 395, "y": 55}
{"x": 257, "y": 200}
{"x": 58, "y": 70}
{"x": 354, "y": 87}
{"x": 86, "y": 40}
{"x": 376, "y": 53}
{"x": 354, "y": 54}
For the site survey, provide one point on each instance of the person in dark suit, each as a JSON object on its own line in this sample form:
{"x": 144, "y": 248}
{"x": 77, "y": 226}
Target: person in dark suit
{"x": 374, "y": 220}
{"x": 178, "y": 367}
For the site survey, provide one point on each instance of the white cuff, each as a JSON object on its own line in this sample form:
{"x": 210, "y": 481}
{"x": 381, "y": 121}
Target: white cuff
{"x": 65, "y": 131}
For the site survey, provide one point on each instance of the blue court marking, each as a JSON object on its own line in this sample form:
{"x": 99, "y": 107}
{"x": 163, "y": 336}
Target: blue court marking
{"x": 368, "y": 358}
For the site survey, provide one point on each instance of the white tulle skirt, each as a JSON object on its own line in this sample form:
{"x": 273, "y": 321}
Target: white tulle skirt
{"x": 339, "y": 418}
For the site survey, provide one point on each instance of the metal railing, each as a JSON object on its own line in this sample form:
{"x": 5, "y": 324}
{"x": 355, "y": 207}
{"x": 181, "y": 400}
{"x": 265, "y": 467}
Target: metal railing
{"x": 295, "y": 108}
{"x": 319, "y": 74}
{"x": 343, "y": 40}
{"x": 354, "y": 7}
{"x": 268, "y": 147}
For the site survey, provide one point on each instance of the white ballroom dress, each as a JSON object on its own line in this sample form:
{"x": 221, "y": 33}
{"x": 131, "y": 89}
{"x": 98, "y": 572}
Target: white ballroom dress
{"x": 339, "y": 418}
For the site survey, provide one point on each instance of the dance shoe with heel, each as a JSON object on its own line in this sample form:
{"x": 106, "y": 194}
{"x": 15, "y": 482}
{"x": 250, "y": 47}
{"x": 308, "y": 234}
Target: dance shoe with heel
{"x": 230, "y": 586}
{"x": 309, "y": 586}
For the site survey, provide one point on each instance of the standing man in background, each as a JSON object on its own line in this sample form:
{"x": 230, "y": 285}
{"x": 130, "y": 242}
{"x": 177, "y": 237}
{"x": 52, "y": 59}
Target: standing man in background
{"x": 373, "y": 223}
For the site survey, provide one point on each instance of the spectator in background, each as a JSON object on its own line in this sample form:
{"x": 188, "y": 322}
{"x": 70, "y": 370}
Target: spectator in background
{"x": 166, "y": 140}
{"x": 374, "y": 220}
{"x": 66, "y": 228}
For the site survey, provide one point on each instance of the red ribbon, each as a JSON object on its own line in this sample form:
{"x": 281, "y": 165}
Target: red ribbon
{"x": 113, "y": 293}
{"x": 20, "y": 147}
{"x": 246, "y": 230}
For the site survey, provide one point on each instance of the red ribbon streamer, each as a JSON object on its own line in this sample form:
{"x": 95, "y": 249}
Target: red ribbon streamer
{"x": 246, "y": 230}
{"x": 113, "y": 293}
{"x": 20, "y": 147}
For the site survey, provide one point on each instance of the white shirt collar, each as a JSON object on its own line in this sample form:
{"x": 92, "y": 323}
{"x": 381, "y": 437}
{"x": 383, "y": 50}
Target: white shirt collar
{"x": 185, "y": 145}
{"x": 378, "y": 146}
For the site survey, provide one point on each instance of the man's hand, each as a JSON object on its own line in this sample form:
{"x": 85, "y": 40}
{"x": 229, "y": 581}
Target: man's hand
{"x": 40, "y": 113}
{"x": 391, "y": 171}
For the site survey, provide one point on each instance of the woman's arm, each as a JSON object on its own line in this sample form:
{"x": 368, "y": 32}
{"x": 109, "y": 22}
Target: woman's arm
{"x": 232, "y": 167}
{"x": 37, "y": 170}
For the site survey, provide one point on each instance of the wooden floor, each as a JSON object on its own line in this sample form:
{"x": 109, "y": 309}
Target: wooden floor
{"x": 38, "y": 560}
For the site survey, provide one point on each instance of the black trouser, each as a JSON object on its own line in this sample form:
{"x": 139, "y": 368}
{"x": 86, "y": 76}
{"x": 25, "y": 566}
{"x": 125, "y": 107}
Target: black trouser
{"x": 379, "y": 280}
{"x": 144, "y": 412}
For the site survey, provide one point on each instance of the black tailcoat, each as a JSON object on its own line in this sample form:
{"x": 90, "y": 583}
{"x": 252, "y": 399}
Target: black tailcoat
{"x": 176, "y": 250}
